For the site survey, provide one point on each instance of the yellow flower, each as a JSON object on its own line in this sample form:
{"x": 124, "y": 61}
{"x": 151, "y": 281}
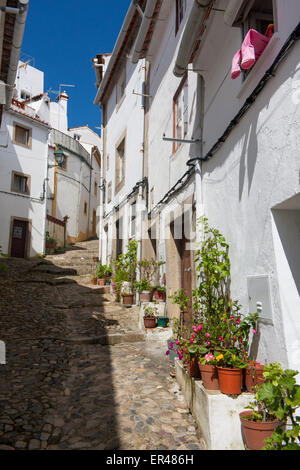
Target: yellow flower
{"x": 219, "y": 357}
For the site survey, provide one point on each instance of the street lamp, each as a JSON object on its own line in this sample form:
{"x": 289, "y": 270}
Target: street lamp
{"x": 60, "y": 158}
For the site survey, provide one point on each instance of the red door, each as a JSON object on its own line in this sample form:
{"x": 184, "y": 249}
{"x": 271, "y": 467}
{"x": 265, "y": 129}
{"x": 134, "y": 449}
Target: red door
{"x": 19, "y": 238}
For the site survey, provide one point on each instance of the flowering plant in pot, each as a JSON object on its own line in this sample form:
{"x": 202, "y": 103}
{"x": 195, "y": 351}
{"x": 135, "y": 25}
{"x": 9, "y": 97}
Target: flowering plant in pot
{"x": 127, "y": 296}
{"x": 94, "y": 279}
{"x": 270, "y": 423}
{"x": 150, "y": 312}
{"x": 207, "y": 366}
{"x": 230, "y": 371}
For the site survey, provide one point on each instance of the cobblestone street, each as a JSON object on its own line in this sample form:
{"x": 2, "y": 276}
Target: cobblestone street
{"x": 65, "y": 385}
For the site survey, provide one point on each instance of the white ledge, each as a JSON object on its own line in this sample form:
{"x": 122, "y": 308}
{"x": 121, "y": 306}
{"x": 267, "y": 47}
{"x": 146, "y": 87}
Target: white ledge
{"x": 216, "y": 414}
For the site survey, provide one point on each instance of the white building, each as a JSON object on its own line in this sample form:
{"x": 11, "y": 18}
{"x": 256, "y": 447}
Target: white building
{"x": 37, "y": 196}
{"x": 214, "y": 145}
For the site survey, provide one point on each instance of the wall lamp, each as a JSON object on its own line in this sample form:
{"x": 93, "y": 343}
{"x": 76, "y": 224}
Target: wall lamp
{"x": 60, "y": 158}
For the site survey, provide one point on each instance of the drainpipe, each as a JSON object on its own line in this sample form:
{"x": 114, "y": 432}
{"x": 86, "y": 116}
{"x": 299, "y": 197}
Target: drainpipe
{"x": 196, "y": 22}
{"x": 16, "y": 49}
{"x": 147, "y": 18}
{"x": 232, "y": 11}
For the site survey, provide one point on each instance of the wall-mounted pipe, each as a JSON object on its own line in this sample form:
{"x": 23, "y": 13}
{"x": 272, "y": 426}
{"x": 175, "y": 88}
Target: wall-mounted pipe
{"x": 147, "y": 18}
{"x": 232, "y": 11}
{"x": 190, "y": 36}
{"x": 15, "y": 50}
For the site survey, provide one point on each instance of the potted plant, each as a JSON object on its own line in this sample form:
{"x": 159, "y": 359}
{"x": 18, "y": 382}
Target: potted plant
{"x": 270, "y": 422}
{"x": 253, "y": 375}
{"x": 160, "y": 293}
{"x": 162, "y": 322}
{"x": 127, "y": 296}
{"x": 230, "y": 372}
{"x": 94, "y": 279}
{"x": 144, "y": 289}
{"x": 181, "y": 299}
{"x": 50, "y": 243}
{"x": 150, "y": 312}
{"x": 103, "y": 272}
{"x": 208, "y": 370}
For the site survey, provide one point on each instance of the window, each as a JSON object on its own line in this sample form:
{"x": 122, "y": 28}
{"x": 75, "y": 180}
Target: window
{"x": 180, "y": 113}
{"x": 95, "y": 188}
{"x": 121, "y": 87}
{"x": 180, "y": 10}
{"x": 258, "y": 15}
{"x": 109, "y": 192}
{"x": 20, "y": 183}
{"x": 77, "y": 137}
{"x": 25, "y": 95}
{"x": 120, "y": 165}
{"x": 22, "y": 136}
{"x": 132, "y": 219}
{"x": 85, "y": 208}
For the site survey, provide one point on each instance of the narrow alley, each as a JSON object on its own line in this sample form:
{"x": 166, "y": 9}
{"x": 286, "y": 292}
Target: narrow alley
{"x": 79, "y": 373}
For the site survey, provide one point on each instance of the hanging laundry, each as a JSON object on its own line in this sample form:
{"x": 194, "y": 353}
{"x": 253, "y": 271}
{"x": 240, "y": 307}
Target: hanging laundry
{"x": 252, "y": 48}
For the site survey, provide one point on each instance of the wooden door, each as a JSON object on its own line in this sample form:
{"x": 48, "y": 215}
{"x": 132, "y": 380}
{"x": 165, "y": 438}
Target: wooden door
{"x": 19, "y": 238}
{"x": 186, "y": 278}
{"x": 94, "y": 223}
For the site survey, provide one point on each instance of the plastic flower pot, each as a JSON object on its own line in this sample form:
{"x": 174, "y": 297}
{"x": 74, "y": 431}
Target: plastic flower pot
{"x": 253, "y": 375}
{"x": 150, "y": 322}
{"x": 101, "y": 282}
{"x": 230, "y": 380}
{"x": 146, "y": 296}
{"x": 162, "y": 322}
{"x": 193, "y": 368}
{"x": 255, "y": 432}
{"x": 209, "y": 376}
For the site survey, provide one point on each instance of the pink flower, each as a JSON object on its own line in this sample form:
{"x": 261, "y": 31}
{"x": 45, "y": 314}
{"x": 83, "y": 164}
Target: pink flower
{"x": 180, "y": 357}
{"x": 195, "y": 329}
{"x": 238, "y": 320}
{"x": 167, "y": 353}
{"x": 192, "y": 335}
{"x": 221, "y": 338}
{"x": 254, "y": 331}
{"x": 177, "y": 342}
{"x": 207, "y": 342}
{"x": 232, "y": 318}
{"x": 207, "y": 335}
{"x": 200, "y": 327}
{"x": 191, "y": 340}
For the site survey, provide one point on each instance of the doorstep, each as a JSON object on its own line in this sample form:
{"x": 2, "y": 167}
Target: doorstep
{"x": 216, "y": 414}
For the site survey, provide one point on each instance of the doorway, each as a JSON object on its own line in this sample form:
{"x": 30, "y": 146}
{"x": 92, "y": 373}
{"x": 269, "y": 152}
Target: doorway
{"x": 19, "y": 238}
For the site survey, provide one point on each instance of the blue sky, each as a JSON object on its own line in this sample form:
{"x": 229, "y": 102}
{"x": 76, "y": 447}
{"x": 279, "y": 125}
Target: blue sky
{"x": 63, "y": 36}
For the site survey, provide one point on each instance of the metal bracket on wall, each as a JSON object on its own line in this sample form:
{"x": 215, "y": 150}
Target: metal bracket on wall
{"x": 183, "y": 141}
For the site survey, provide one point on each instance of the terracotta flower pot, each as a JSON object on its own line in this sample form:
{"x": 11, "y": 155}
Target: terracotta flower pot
{"x": 150, "y": 322}
{"x": 193, "y": 368}
{"x": 209, "y": 376}
{"x": 94, "y": 282}
{"x": 230, "y": 380}
{"x": 146, "y": 296}
{"x": 253, "y": 375}
{"x": 128, "y": 299}
{"x": 101, "y": 282}
{"x": 159, "y": 296}
{"x": 254, "y": 432}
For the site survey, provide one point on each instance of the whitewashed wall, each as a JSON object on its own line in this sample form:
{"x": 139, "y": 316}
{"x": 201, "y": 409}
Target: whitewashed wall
{"x": 247, "y": 184}
{"x": 31, "y": 162}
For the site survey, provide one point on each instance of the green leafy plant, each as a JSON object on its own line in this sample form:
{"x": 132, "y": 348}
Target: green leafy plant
{"x": 142, "y": 285}
{"x": 181, "y": 299}
{"x": 103, "y": 271}
{"x": 150, "y": 311}
{"x": 149, "y": 269}
{"x": 160, "y": 289}
{"x": 278, "y": 398}
{"x": 50, "y": 240}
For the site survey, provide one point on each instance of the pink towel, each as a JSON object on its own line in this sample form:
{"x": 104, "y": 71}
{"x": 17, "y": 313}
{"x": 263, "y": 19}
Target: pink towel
{"x": 252, "y": 48}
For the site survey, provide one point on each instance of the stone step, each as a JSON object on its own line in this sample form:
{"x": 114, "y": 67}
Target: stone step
{"x": 110, "y": 338}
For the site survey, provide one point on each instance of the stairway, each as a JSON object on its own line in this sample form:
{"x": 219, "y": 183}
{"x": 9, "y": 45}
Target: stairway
{"x": 93, "y": 316}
